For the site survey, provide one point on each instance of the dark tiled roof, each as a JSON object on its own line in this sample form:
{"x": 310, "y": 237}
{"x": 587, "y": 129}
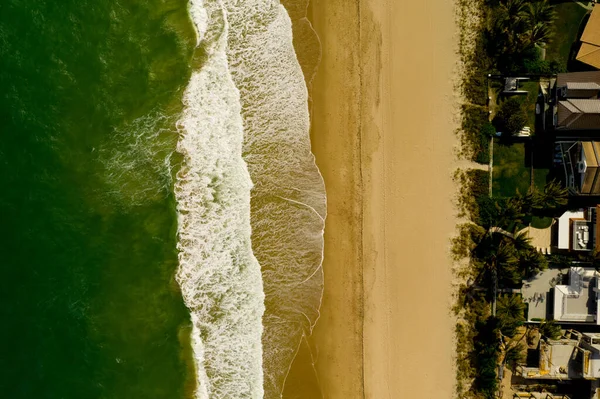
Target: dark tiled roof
{"x": 575, "y": 113}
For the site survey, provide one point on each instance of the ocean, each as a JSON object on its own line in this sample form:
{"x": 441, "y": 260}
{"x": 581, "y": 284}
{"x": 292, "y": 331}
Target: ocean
{"x": 161, "y": 213}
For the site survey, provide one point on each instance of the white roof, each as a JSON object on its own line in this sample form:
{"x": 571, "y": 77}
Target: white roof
{"x": 563, "y": 227}
{"x": 594, "y": 366}
{"x": 571, "y": 302}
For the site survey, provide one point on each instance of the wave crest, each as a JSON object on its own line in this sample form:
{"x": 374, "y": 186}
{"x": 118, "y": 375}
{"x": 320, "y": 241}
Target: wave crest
{"x": 219, "y": 276}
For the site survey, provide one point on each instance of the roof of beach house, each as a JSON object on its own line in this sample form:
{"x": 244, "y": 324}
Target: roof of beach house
{"x": 577, "y": 301}
{"x": 589, "y": 52}
{"x": 579, "y": 113}
{"x": 576, "y": 81}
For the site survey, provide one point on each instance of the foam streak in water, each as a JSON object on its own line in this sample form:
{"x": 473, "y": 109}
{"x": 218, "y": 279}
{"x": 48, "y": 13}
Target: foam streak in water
{"x": 288, "y": 200}
{"x": 219, "y": 276}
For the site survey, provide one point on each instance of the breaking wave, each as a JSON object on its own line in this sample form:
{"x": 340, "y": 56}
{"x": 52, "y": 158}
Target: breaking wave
{"x": 288, "y": 199}
{"x": 218, "y": 274}
{"x": 246, "y": 120}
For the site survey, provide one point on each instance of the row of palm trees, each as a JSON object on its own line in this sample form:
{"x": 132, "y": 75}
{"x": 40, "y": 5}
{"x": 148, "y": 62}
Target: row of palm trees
{"x": 502, "y": 253}
{"x": 514, "y": 210}
{"x": 516, "y": 26}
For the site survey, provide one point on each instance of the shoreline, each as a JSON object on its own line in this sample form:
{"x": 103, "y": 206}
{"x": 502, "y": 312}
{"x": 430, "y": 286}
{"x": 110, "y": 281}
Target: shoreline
{"x": 362, "y": 119}
{"x": 337, "y": 339}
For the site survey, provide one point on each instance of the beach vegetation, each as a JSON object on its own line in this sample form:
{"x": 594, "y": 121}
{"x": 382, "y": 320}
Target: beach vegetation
{"x": 515, "y": 354}
{"x": 486, "y": 353}
{"x": 517, "y": 32}
{"x": 478, "y": 340}
{"x": 473, "y": 198}
{"x": 477, "y": 132}
{"x": 549, "y": 329}
{"x": 510, "y": 311}
{"x": 507, "y": 37}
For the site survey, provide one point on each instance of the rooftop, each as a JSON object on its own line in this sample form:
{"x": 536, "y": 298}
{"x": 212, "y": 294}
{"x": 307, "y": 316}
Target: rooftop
{"x": 557, "y": 358}
{"x": 579, "y": 113}
{"x": 535, "y": 293}
{"x": 567, "y": 79}
{"x": 564, "y": 227}
{"x": 581, "y": 163}
{"x": 577, "y": 302}
{"x": 589, "y": 53}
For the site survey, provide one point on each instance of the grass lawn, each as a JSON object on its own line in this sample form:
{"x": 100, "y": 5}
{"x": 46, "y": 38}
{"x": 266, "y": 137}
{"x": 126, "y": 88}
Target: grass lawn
{"x": 529, "y": 101}
{"x": 566, "y": 27}
{"x": 541, "y": 222}
{"x": 539, "y": 178}
{"x": 510, "y": 173}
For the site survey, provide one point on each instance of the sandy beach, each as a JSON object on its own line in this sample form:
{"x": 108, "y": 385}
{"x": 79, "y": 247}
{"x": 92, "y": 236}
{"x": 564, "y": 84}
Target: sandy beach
{"x": 383, "y": 136}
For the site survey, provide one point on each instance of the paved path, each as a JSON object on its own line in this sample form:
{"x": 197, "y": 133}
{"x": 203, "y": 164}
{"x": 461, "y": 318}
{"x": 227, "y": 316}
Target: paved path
{"x": 491, "y": 166}
{"x": 501, "y": 231}
{"x": 466, "y": 164}
{"x": 587, "y": 7}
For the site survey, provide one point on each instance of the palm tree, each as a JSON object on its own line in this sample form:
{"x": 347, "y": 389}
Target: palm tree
{"x": 510, "y": 313}
{"x": 520, "y": 24}
{"x": 527, "y": 199}
{"x": 511, "y": 212}
{"x": 553, "y": 196}
{"x": 532, "y": 262}
{"x": 538, "y": 33}
{"x": 540, "y": 12}
{"x": 506, "y": 263}
{"x": 515, "y": 354}
{"x": 513, "y": 12}
{"x": 522, "y": 242}
{"x": 539, "y": 16}
{"x": 508, "y": 25}
{"x": 550, "y": 329}
{"x": 496, "y": 256}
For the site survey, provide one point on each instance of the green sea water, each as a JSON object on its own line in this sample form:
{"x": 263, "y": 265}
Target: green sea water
{"x": 89, "y": 95}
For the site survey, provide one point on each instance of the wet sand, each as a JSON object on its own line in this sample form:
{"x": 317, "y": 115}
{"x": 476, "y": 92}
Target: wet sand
{"x": 383, "y": 136}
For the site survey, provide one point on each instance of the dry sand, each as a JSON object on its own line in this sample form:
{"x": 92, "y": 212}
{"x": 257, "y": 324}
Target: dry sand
{"x": 383, "y": 136}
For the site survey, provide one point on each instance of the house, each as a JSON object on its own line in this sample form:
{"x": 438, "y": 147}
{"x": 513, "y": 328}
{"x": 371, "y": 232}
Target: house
{"x": 589, "y": 52}
{"x": 576, "y": 231}
{"x": 590, "y": 345}
{"x": 580, "y": 161}
{"x": 556, "y": 361}
{"x": 577, "y": 103}
{"x": 577, "y": 302}
{"x": 575, "y": 356}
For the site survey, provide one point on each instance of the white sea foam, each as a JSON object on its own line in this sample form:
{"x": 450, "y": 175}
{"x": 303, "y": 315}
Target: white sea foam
{"x": 136, "y": 160}
{"x": 219, "y": 276}
{"x": 288, "y": 199}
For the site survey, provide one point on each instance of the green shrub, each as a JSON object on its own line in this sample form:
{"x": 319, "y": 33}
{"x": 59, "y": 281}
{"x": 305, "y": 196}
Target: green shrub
{"x": 544, "y": 67}
{"x": 481, "y": 209}
{"x": 487, "y": 211}
{"x": 514, "y": 123}
{"x": 488, "y": 130}
{"x": 515, "y": 355}
{"x": 511, "y": 116}
{"x": 486, "y": 351}
{"x": 476, "y": 130}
